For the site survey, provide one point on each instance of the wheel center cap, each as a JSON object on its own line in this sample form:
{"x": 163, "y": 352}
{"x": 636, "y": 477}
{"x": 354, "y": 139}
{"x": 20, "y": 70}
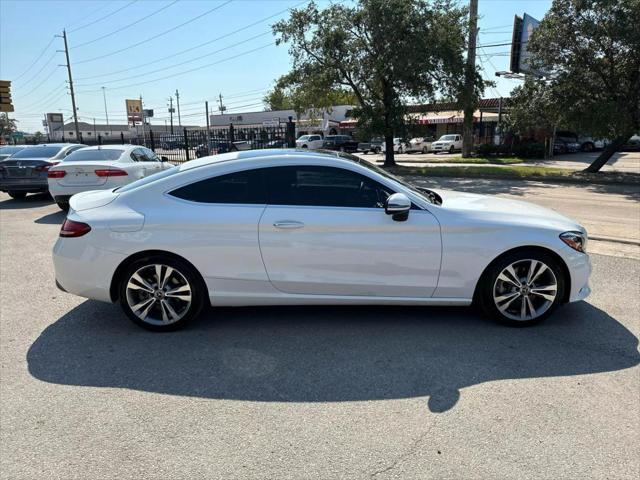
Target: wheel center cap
{"x": 525, "y": 290}
{"x": 159, "y": 294}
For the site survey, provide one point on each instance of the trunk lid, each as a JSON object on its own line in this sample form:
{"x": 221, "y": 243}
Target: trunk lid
{"x": 92, "y": 199}
{"x": 27, "y": 168}
{"x": 83, "y": 174}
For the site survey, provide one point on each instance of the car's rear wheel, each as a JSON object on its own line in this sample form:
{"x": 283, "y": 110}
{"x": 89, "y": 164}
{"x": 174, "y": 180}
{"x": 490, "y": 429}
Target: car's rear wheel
{"x": 161, "y": 293}
{"x": 17, "y": 195}
{"x": 522, "y": 288}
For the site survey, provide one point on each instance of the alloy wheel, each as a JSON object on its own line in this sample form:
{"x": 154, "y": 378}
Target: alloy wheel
{"x": 158, "y": 294}
{"x": 525, "y": 290}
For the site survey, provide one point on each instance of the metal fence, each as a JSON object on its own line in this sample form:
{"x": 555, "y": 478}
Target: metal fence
{"x": 185, "y": 145}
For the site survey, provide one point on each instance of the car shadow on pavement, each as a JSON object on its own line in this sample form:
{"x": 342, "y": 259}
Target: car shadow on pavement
{"x": 30, "y": 201}
{"x": 326, "y": 354}
{"x": 55, "y": 218}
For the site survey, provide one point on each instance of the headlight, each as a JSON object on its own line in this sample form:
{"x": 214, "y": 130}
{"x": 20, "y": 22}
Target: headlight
{"x": 576, "y": 240}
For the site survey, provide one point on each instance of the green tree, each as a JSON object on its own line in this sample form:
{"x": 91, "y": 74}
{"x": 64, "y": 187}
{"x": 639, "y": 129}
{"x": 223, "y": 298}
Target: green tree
{"x": 7, "y": 125}
{"x": 590, "y": 51}
{"x": 384, "y": 51}
{"x": 301, "y": 100}
{"x": 38, "y": 137}
{"x": 277, "y": 99}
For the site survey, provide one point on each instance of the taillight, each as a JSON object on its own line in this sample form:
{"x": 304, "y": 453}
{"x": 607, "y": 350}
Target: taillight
{"x": 56, "y": 173}
{"x": 74, "y": 229}
{"x": 42, "y": 168}
{"x": 111, "y": 172}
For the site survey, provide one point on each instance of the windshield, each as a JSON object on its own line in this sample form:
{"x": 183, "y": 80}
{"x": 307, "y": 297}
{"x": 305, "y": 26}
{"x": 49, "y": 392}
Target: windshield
{"x": 37, "y": 152}
{"x": 147, "y": 180}
{"x": 94, "y": 155}
{"x": 447, "y": 138}
{"x": 304, "y": 137}
{"x": 386, "y": 174}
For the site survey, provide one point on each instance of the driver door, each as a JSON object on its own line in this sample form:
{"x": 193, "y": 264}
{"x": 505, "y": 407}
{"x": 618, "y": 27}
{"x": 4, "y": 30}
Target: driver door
{"x": 325, "y": 232}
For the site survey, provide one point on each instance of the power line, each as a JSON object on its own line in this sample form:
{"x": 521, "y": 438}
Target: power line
{"x": 124, "y": 79}
{"x": 208, "y": 42}
{"x": 190, "y": 70}
{"x": 46, "y": 77}
{"x": 22, "y": 85}
{"x": 154, "y": 36}
{"x": 103, "y": 17}
{"x": 126, "y": 26}
{"x": 46, "y": 97}
{"x": 36, "y": 60}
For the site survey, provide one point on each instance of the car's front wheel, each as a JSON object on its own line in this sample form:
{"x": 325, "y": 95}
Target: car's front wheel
{"x": 521, "y": 288}
{"x": 17, "y": 195}
{"x": 161, "y": 293}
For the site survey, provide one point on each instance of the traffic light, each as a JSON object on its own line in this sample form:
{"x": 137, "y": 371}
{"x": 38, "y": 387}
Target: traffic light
{"x": 5, "y": 96}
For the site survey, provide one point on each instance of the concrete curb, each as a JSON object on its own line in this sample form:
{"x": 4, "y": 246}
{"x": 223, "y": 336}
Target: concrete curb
{"x": 626, "y": 241}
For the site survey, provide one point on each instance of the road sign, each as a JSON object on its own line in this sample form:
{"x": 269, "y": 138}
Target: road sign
{"x": 148, "y": 113}
{"x": 134, "y": 110}
{"x": 5, "y": 96}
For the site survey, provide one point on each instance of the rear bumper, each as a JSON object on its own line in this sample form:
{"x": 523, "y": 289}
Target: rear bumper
{"x": 84, "y": 270}
{"x": 23, "y": 185}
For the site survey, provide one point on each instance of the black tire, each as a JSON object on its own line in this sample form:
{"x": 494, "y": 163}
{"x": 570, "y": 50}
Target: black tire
{"x": 63, "y": 206}
{"x": 588, "y": 147}
{"x": 305, "y": 146}
{"x": 489, "y": 281}
{"x": 17, "y": 195}
{"x": 377, "y": 150}
{"x": 196, "y": 284}
{"x": 425, "y": 150}
{"x": 451, "y": 149}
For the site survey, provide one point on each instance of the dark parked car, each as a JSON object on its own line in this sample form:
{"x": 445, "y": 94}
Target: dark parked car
{"x": 374, "y": 145}
{"x": 221, "y": 146}
{"x": 26, "y": 171}
{"x": 343, "y": 143}
{"x": 7, "y": 150}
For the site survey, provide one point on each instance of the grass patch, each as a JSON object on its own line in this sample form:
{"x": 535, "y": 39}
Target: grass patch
{"x": 480, "y": 160}
{"x": 524, "y": 172}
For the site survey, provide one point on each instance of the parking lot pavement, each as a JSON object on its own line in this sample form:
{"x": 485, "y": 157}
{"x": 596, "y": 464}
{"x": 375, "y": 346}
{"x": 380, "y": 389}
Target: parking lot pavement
{"x": 310, "y": 392}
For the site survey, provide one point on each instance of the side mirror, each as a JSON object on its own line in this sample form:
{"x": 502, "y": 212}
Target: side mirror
{"x": 398, "y": 205}
{"x": 164, "y": 159}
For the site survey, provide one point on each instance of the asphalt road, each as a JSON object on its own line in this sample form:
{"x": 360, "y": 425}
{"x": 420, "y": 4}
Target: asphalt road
{"x": 309, "y": 392}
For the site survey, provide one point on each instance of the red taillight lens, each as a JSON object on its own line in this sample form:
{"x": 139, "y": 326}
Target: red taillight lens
{"x": 56, "y": 174}
{"x": 111, "y": 172}
{"x": 74, "y": 229}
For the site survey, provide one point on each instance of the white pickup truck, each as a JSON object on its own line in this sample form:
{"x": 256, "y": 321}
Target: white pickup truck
{"x": 447, "y": 143}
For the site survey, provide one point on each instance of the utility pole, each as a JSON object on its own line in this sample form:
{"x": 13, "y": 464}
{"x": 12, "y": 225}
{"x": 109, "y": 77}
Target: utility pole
{"x": 178, "y": 102}
{"x": 106, "y": 114}
{"x": 95, "y": 135}
{"x": 144, "y": 135}
{"x": 206, "y": 112}
{"x": 73, "y": 97}
{"x": 171, "y": 112}
{"x": 222, "y": 108}
{"x": 469, "y": 83}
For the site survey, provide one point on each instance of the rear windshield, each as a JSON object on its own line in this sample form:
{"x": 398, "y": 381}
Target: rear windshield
{"x": 147, "y": 180}
{"x": 94, "y": 155}
{"x": 9, "y": 150}
{"x": 37, "y": 152}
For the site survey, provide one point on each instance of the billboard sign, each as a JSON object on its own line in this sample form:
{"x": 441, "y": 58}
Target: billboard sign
{"x": 134, "y": 110}
{"x": 523, "y": 28}
{"x": 55, "y": 123}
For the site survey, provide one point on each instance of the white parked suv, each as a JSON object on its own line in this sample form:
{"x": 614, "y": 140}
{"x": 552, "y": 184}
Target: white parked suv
{"x": 448, "y": 143}
{"x": 310, "y": 141}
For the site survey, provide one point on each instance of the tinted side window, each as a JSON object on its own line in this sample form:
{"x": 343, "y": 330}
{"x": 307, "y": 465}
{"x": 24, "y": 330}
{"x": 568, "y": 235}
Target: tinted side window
{"x": 324, "y": 186}
{"x": 245, "y": 187}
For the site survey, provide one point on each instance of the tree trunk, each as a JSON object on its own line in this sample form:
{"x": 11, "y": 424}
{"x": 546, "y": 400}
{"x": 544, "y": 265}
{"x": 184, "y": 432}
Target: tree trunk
{"x": 389, "y": 160}
{"x": 607, "y": 153}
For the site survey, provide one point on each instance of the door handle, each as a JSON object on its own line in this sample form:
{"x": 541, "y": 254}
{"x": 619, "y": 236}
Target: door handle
{"x": 288, "y": 224}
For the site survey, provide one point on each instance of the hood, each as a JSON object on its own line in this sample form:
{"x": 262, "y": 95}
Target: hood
{"x": 505, "y": 210}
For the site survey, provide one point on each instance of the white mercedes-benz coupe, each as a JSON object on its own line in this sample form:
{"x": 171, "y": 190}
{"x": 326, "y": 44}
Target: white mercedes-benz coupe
{"x": 101, "y": 168}
{"x": 284, "y": 227}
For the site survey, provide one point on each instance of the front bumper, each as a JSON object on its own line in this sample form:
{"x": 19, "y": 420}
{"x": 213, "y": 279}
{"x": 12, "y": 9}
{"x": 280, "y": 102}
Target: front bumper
{"x": 579, "y": 265}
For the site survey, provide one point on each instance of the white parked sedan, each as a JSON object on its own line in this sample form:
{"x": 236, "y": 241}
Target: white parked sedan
{"x": 101, "y": 168}
{"x": 285, "y": 227}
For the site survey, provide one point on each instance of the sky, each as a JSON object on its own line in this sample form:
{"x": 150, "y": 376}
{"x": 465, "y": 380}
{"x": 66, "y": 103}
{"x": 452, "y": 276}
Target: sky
{"x": 151, "y": 48}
